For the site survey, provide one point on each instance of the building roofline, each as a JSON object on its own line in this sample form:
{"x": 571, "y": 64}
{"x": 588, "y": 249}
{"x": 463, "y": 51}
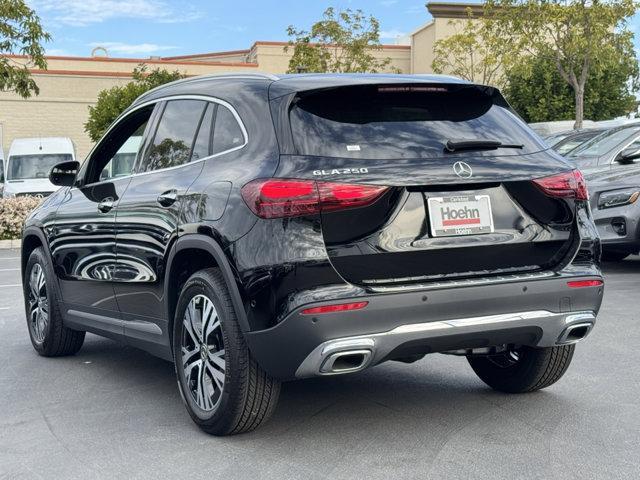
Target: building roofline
{"x": 384, "y": 46}
{"x": 153, "y": 61}
{"x": 210, "y": 54}
{"x": 421, "y": 27}
{"x": 81, "y": 73}
{"x": 454, "y": 10}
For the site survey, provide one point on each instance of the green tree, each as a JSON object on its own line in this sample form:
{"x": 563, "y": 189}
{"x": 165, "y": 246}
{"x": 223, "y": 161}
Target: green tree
{"x": 340, "y": 42}
{"x": 538, "y": 93}
{"x": 113, "y": 101}
{"x": 20, "y": 34}
{"x": 476, "y": 52}
{"x": 577, "y": 36}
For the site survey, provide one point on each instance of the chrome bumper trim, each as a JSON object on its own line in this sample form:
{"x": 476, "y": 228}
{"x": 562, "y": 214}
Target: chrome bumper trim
{"x": 553, "y": 326}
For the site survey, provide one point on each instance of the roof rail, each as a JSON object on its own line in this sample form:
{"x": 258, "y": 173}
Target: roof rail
{"x": 212, "y": 76}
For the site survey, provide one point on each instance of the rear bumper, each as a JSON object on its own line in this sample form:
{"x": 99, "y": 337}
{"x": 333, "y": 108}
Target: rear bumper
{"x": 538, "y": 328}
{"x": 533, "y": 311}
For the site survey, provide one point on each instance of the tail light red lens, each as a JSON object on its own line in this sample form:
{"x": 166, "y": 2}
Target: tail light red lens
{"x": 277, "y": 198}
{"x": 341, "y": 307}
{"x": 585, "y": 283}
{"x": 564, "y": 185}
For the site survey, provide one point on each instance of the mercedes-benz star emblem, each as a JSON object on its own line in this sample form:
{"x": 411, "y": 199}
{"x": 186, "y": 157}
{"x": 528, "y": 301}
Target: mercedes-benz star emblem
{"x": 462, "y": 169}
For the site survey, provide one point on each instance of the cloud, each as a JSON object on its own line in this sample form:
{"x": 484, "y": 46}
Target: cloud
{"x": 57, "y": 52}
{"x": 86, "y": 12}
{"x": 392, "y": 34}
{"x": 131, "y": 49}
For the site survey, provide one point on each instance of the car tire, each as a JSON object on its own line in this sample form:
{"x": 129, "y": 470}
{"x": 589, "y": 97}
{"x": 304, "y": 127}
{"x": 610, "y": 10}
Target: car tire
{"x": 223, "y": 388}
{"x": 49, "y": 336}
{"x": 523, "y": 370}
{"x": 613, "y": 256}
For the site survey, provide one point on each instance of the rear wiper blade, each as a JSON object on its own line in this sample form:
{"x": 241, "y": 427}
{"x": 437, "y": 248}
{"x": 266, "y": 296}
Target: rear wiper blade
{"x": 458, "y": 145}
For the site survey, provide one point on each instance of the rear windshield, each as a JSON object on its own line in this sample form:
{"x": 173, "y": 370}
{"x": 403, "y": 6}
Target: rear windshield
{"x": 376, "y": 122}
{"x": 22, "y": 167}
{"x": 604, "y": 142}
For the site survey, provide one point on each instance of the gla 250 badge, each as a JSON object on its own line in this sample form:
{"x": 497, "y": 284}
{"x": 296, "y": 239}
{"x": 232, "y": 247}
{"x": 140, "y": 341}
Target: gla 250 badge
{"x": 341, "y": 171}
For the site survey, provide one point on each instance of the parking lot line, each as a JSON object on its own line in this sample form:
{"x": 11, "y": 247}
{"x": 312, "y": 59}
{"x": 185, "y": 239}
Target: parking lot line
{"x": 11, "y": 286}
{"x": 9, "y": 258}
{"x": 9, "y": 269}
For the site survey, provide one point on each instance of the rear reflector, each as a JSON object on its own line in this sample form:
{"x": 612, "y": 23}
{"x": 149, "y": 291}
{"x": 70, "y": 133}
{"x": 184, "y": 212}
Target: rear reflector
{"x": 277, "y": 198}
{"x": 564, "y": 185}
{"x": 342, "y": 307}
{"x": 585, "y": 283}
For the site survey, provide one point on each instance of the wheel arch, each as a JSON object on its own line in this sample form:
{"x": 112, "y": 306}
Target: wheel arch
{"x": 192, "y": 253}
{"x": 32, "y": 238}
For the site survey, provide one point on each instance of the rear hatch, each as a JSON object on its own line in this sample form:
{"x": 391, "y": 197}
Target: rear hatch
{"x": 443, "y": 181}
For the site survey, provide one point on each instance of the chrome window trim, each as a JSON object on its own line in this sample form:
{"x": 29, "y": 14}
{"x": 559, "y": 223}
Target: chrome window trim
{"x": 615, "y": 155}
{"x": 205, "y": 98}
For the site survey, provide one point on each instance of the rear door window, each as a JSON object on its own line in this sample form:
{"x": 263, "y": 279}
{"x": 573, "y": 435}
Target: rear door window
{"x": 385, "y": 122}
{"x": 173, "y": 141}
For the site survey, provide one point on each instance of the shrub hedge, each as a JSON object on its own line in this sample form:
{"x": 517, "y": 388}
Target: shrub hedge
{"x": 13, "y": 212}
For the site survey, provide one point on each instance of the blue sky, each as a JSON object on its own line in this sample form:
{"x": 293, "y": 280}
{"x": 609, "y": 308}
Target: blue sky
{"x": 140, "y": 28}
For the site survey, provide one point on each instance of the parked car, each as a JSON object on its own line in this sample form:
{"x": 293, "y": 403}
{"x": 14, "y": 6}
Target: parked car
{"x": 611, "y": 149}
{"x": 554, "y": 138}
{"x": 546, "y": 129}
{"x": 29, "y": 162}
{"x": 276, "y": 228}
{"x": 572, "y": 141}
{"x": 616, "y": 210}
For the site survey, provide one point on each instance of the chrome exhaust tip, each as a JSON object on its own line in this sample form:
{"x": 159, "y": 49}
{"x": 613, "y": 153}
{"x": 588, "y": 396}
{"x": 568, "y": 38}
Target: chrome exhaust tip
{"x": 574, "y": 333}
{"x": 345, "y": 362}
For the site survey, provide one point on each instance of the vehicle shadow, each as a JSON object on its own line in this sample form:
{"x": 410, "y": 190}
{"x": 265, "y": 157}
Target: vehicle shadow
{"x": 439, "y": 393}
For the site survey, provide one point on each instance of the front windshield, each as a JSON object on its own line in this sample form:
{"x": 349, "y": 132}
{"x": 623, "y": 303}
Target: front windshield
{"x": 22, "y": 167}
{"x": 604, "y": 142}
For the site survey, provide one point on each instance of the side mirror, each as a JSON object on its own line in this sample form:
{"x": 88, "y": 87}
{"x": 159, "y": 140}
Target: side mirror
{"x": 64, "y": 174}
{"x": 628, "y": 155}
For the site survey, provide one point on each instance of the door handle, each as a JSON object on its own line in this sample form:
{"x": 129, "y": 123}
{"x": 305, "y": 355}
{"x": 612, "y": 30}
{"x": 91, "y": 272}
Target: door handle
{"x": 106, "y": 205}
{"x": 168, "y": 198}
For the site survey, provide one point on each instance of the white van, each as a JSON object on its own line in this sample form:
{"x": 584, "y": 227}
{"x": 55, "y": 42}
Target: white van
{"x": 122, "y": 162}
{"x": 1, "y": 169}
{"x": 29, "y": 162}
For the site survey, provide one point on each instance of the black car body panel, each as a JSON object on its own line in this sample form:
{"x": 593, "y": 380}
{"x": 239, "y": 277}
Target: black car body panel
{"x": 122, "y": 246}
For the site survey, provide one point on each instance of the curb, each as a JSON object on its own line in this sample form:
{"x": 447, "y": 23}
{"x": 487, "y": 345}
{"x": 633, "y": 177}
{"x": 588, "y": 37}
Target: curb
{"x": 8, "y": 244}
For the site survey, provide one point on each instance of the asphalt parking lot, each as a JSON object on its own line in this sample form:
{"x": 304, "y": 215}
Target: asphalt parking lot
{"x": 114, "y": 412}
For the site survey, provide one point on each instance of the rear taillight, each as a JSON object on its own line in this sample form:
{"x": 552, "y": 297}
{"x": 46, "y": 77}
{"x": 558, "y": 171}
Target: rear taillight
{"x": 277, "y": 198}
{"x": 564, "y": 185}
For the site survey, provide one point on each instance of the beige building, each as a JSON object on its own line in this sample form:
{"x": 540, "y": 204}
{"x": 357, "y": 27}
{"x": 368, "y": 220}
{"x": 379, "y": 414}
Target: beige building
{"x": 71, "y": 84}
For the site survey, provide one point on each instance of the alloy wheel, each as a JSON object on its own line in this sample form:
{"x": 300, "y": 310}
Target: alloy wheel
{"x": 202, "y": 353}
{"x": 38, "y": 303}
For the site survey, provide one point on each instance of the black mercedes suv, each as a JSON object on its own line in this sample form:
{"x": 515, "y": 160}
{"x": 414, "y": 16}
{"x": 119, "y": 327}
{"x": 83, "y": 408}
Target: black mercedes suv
{"x": 254, "y": 229}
